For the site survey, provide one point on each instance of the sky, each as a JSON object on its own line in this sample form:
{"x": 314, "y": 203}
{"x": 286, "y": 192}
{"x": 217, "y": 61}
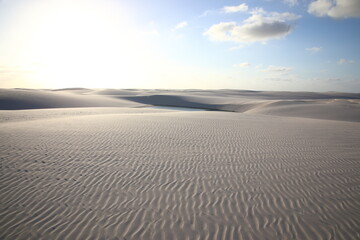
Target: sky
{"x": 282, "y": 45}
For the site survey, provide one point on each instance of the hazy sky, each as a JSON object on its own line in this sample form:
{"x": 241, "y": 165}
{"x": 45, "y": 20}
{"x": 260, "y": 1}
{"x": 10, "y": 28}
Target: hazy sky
{"x": 258, "y": 44}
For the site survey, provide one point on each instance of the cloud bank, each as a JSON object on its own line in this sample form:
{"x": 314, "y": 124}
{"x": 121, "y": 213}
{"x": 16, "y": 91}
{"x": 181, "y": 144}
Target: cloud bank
{"x": 259, "y": 27}
{"x": 335, "y": 8}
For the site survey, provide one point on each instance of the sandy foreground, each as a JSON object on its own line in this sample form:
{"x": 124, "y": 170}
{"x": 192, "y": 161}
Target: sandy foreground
{"x": 102, "y": 164}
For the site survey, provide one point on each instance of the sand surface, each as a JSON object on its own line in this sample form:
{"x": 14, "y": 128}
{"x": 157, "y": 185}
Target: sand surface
{"x": 71, "y": 169}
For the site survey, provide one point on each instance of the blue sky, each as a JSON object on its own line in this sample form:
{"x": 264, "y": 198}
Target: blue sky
{"x": 296, "y": 45}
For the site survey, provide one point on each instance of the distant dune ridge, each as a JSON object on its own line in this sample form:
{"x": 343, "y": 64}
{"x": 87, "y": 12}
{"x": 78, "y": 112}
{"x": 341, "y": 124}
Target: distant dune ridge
{"x": 102, "y": 164}
{"x": 329, "y": 105}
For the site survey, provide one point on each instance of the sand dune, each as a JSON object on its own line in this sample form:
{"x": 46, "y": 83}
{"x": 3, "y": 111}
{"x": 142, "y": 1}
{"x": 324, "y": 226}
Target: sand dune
{"x": 329, "y": 105}
{"x": 143, "y": 173}
{"x": 337, "y": 109}
{"x": 14, "y": 99}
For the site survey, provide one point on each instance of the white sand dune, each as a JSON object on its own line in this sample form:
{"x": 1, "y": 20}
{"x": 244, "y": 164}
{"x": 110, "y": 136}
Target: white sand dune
{"x": 330, "y": 105}
{"x": 13, "y": 99}
{"x": 115, "y": 172}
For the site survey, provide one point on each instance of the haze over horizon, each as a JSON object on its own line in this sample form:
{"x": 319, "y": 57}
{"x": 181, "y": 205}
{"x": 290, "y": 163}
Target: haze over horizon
{"x": 283, "y": 45}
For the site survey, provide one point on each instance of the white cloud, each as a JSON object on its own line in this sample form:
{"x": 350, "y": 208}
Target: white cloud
{"x": 258, "y": 10}
{"x": 335, "y": 8}
{"x": 260, "y": 26}
{"x": 320, "y": 8}
{"x": 232, "y": 9}
{"x": 180, "y": 25}
{"x": 314, "y": 49}
{"x": 242, "y": 65}
{"x": 278, "y": 69}
{"x": 345, "y": 61}
{"x": 285, "y": 16}
{"x": 291, "y": 3}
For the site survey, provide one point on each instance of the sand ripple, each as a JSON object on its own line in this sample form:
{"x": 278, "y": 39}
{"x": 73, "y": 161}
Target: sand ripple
{"x": 179, "y": 175}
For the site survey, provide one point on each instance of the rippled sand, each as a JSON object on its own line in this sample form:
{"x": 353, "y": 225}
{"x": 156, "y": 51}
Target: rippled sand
{"x": 122, "y": 173}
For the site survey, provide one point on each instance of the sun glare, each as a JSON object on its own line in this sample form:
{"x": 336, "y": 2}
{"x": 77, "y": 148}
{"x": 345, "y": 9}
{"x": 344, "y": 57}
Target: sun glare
{"x": 82, "y": 43}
